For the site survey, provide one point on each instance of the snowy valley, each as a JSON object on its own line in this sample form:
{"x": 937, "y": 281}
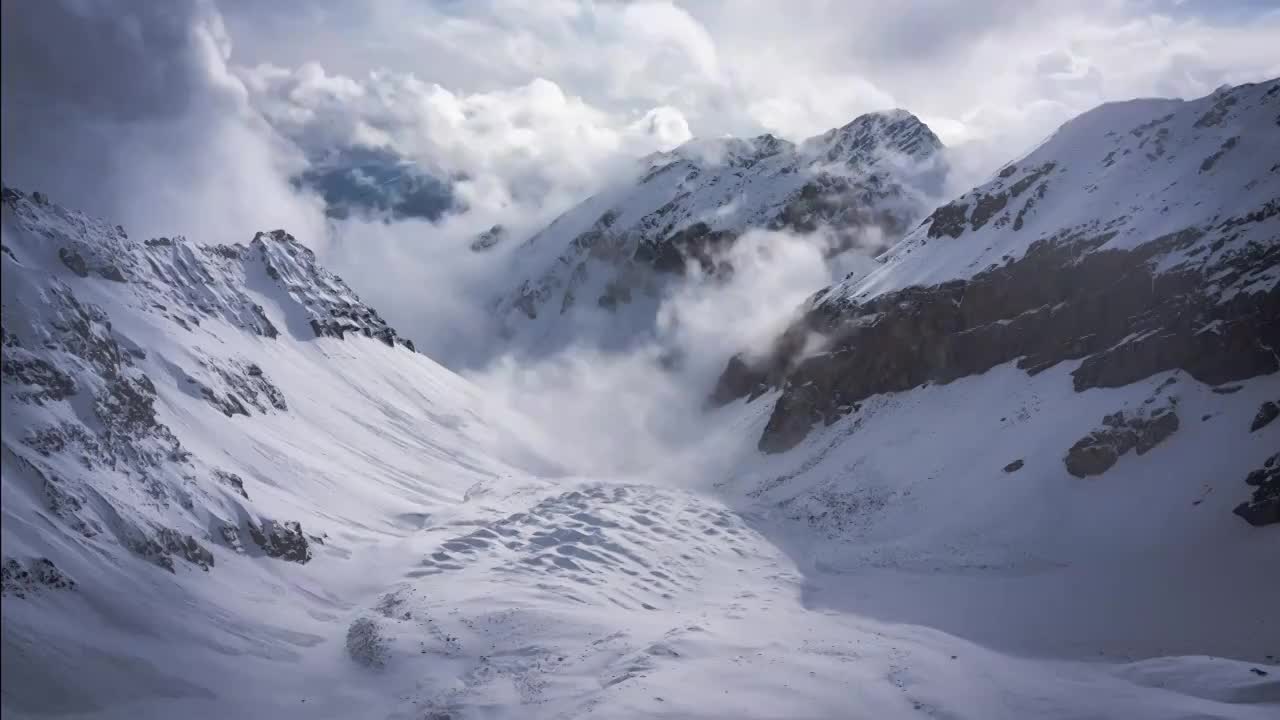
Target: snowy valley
{"x": 1019, "y": 457}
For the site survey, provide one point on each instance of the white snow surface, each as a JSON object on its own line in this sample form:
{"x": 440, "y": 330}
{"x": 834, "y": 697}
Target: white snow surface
{"x": 1140, "y": 168}
{"x": 886, "y": 567}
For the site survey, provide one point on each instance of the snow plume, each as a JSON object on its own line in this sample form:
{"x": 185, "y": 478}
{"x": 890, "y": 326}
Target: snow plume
{"x": 642, "y": 410}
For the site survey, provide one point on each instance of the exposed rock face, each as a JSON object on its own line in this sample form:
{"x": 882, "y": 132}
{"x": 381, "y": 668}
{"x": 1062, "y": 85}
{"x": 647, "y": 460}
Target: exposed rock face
{"x": 1063, "y": 300}
{"x": 1126, "y": 302}
{"x": 332, "y": 308}
{"x": 84, "y": 425}
{"x": 1264, "y": 507}
{"x": 1266, "y": 413}
{"x": 188, "y": 282}
{"x": 243, "y": 386}
{"x": 20, "y": 580}
{"x": 283, "y": 540}
{"x": 1095, "y": 453}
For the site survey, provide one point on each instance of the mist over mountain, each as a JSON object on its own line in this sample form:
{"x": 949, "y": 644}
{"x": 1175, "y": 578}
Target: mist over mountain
{"x": 649, "y": 359}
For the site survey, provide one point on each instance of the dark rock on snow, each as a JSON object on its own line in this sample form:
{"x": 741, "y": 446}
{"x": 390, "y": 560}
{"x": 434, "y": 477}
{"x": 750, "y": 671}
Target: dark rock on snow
{"x": 1263, "y": 508}
{"x": 1064, "y": 299}
{"x": 1266, "y": 413}
{"x": 1095, "y": 453}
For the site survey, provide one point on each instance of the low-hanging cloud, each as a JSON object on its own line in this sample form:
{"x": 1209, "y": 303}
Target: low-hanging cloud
{"x": 627, "y": 412}
{"x": 533, "y": 144}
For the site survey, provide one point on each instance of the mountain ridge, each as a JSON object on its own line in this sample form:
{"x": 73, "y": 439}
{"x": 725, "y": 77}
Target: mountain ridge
{"x": 1194, "y": 283}
{"x": 860, "y": 183}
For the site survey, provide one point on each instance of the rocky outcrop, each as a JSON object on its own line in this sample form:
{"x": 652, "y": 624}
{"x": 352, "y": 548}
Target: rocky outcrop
{"x": 1064, "y": 299}
{"x": 332, "y": 308}
{"x": 85, "y": 427}
{"x": 188, "y": 282}
{"x": 283, "y": 540}
{"x": 22, "y": 579}
{"x": 1267, "y": 412}
{"x": 1121, "y": 432}
{"x": 162, "y": 546}
{"x": 1263, "y": 508}
{"x": 242, "y": 386}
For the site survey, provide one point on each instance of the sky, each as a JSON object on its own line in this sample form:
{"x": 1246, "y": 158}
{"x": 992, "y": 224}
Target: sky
{"x": 193, "y": 116}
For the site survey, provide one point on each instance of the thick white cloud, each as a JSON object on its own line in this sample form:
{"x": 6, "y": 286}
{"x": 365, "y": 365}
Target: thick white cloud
{"x": 532, "y": 144}
{"x": 985, "y": 70}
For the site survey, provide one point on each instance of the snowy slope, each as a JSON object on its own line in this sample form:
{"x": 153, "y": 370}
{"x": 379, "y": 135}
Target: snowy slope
{"x": 1141, "y": 169}
{"x": 1142, "y": 237}
{"x": 864, "y": 183}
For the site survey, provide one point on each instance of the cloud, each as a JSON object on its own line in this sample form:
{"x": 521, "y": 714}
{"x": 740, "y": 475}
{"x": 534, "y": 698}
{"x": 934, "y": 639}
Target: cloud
{"x": 131, "y": 112}
{"x": 982, "y": 71}
{"x": 619, "y": 413}
{"x": 532, "y": 144}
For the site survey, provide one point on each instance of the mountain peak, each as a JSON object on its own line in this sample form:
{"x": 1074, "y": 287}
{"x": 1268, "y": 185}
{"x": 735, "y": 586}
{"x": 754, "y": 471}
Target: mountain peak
{"x": 869, "y": 136}
{"x": 158, "y": 272}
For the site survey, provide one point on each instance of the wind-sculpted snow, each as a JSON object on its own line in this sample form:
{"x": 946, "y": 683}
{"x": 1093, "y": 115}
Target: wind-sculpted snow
{"x": 863, "y": 184}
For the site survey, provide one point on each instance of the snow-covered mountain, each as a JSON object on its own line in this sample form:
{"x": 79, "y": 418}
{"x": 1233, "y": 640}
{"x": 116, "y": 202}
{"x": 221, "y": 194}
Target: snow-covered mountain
{"x": 1140, "y": 238}
{"x": 230, "y": 489}
{"x": 863, "y": 183}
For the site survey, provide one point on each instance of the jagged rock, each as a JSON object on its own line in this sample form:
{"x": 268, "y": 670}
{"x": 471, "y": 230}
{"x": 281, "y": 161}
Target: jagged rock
{"x": 281, "y": 540}
{"x": 1263, "y": 508}
{"x": 1266, "y": 413}
{"x": 232, "y": 479}
{"x": 185, "y": 547}
{"x": 74, "y": 262}
{"x": 1014, "y": 466}
{"x": 333, "y": 309}
{"x": 1095, "y": 453}
{"x": 38, "y": 574}
{"x": 241, "y": 385}
{"x": 44, "y": 381}
{"x": 231, "y": 536}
